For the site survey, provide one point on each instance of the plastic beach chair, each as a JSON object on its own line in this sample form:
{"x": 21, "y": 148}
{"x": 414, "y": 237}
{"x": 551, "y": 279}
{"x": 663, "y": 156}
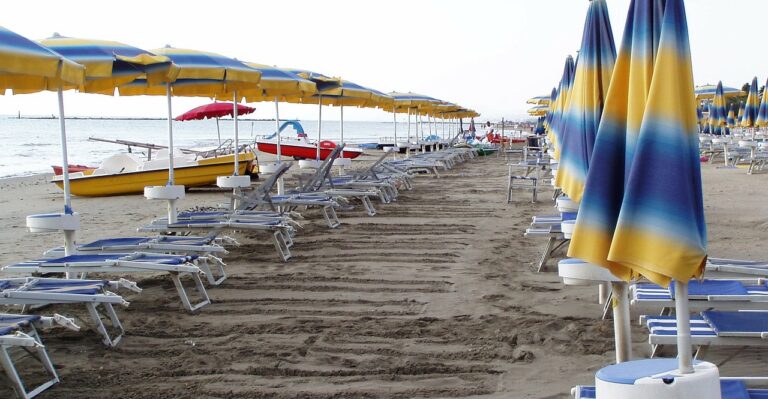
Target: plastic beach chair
{"x": 20, "y": 332}
{"x": 725, "y": 294}
{"x": 711, "y": 327}
{"x": 137, "y": 262}
{"x": 32, "y": 291}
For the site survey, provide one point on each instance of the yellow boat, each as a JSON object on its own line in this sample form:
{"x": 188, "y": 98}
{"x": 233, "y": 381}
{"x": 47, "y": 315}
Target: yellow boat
{"x": 126, "y": 174}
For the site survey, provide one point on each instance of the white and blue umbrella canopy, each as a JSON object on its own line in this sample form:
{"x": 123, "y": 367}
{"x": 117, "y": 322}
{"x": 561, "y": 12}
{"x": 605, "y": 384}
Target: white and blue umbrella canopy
{"x": 563, "y": 91}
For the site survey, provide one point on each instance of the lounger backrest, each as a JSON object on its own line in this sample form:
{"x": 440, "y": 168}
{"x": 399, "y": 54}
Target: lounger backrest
{"x": 261, "y": 193}
{"x": 317, "y": 180}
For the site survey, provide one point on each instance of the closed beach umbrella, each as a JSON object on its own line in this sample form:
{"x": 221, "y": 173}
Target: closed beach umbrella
{"x": 709, "y": 91}
{"x": 200, "y": 74}
{"x": 718, "y": 115}
{"x": 550, "y": 109}
{"x": 751, "y": 107}
{"x": 564, "y": 89}
{"x": 586, "y": 100}
{"x": 762, "y": 115}
{"x": 699, "y": 116}
{"x": 642, "y": 213}
{"x": 731, "y": 116}
{"x": 740, "y": 115}
{"x": 28, "y": 67}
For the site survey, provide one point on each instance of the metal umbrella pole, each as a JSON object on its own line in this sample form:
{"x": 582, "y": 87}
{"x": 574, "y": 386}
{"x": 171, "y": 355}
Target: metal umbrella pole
{"x": 341, "y": 126}
{"x": 319, "y": 123}
{"x": 397, "y": 149}
{"x": 69, "y": 235}
{"x": 280, "y": 182}
{"x": 172, "y": 211}
{"x": 218, "y": 131}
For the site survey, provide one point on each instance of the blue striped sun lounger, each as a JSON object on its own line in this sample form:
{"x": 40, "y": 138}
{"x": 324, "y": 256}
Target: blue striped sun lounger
{"x": 712, "y": 327}
{"x": 20, "y": 332}
{"x": 32, "y": 291}
{"x": 112, "y": 263}
{"x": 208, "y": 245}
{"x": 706, "y": 294}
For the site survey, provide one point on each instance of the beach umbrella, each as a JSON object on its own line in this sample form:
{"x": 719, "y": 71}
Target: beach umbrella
{"x": 200, "y": 74}
{"x": 550, "y": 109}
{"x": 751, "y": 107}
{"x": 740, "y": 115}
{"x": 539, "y": 110}
{"x": 412, "y": 103}
{"x": 214, "y": 111}
{"x": 699, "y": 116}
{"x": 586, "y": 100}
{"x": 717, "y": 113}
{"x": 731, "y": 119}
{"x": 538, "y": 100}
{"x": 562, "y": 99}
{"x": 642, "y": 212}
{"x": 762, "y": 114}
{"x": 709, "y": 91}
{"x": 28, "y": 67}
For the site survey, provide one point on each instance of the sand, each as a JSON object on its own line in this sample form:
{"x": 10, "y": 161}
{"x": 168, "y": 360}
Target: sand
{"x": 433, "y": 297}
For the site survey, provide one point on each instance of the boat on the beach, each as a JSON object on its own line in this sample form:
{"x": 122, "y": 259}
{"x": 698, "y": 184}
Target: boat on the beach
{"x": 128, "y": 173}
{"x": 300, "y": 147}
{"x": 57, "y": 170}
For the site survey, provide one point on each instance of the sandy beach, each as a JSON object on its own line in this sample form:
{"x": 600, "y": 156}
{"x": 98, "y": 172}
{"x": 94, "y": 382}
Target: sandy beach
{"x": 433, "y": 297}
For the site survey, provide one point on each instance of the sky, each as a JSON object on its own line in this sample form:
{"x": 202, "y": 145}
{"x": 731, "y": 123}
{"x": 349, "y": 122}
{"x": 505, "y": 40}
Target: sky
{"x": 488, "y": 55}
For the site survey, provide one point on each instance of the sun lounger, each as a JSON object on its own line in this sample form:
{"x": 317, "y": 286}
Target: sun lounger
{"x": 728, "y": 294}
{"x": 747, "y": 267}
{"x": 730, "y": 388}
{"x": 711, "y": 327}
{"x": 555, "y": 240}
{"x": 20, "y": 332}
{"x": 208, "y": 245}
{"x": 121, "y": 263}
{"x": 281, "y": 232}
{"x": 32, "y": 291}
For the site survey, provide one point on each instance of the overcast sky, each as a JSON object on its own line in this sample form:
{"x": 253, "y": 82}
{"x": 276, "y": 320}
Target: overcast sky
{"x": 489, "y": 55}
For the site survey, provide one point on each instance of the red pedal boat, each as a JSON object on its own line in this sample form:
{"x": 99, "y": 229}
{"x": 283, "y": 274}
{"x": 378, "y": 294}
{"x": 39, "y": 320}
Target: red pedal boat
{"x": 58, "y": 170}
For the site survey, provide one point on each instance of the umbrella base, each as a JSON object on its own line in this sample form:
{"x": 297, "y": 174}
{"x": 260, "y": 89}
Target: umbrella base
{"x": 657, "y": 379}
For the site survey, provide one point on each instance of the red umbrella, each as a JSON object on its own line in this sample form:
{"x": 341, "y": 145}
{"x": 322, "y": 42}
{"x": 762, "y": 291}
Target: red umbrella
{"x": 214, "y": 110}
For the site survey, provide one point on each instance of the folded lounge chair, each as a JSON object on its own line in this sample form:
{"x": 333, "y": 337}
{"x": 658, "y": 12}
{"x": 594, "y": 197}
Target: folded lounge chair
{"x": 711, "y": 327}
{"x": 31, "y": 291}
{"x": 137, "y": 262}
{"x": 20, "y": 332}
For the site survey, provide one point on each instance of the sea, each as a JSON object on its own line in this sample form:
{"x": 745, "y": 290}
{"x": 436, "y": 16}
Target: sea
{"x": 32, "y": 146}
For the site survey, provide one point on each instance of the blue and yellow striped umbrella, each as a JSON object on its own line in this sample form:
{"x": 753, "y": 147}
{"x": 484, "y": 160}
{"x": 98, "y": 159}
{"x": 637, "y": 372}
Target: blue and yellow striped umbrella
{"x": 564, "y": 89}
{"x": 586, "y": 100}
{"x": 28, "y": 67}
{"x": 109, "y": 64}
{"x": 718, "y": 115}
{"x": 740, "y": 115}
{"x": 710, "y": 128}
{"x": 699, "y": 115}
{"x": 200, "y": 74}
{"x": 538, "y": 100}
{"x": 752, "y": 106}
{"x": 731, "y": 119}
{"x": 709, "y": 91}
{"x": 762, "y": 115}
{"x": 539, "y": 110}
{"x": 275, "y": 83}
{"x": 642, "y": 213}
{"x": 550, "y": 109}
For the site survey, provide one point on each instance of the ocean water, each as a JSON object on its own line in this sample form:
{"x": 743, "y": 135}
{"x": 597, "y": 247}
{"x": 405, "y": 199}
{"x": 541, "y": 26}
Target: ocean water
{"x": 30, "y": 146}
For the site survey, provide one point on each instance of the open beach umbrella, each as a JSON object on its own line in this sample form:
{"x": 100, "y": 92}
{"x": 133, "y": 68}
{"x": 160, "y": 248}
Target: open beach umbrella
{"x": 563, "y": 91}
{"x": 731, "y": 119}
{"x": 709, "y": 91}
{"x": 412, "y": 103}
{"x": 28, "y": 67}
{"x": 586, "y": 100}
{"x": 538, "y": 100}
{"x": 539, "y": 110}
{"x": 200, "y": 74}
{"x": 214, "y": 111}
{"x": 762, "y": 114}
{"x": 109, "y": 64}
{"x": 642, "y": 212}
{"x": 751, "y": 107}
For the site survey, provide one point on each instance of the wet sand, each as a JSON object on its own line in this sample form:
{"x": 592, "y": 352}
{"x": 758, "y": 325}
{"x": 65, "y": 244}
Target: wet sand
{"x": 433, "y": 297}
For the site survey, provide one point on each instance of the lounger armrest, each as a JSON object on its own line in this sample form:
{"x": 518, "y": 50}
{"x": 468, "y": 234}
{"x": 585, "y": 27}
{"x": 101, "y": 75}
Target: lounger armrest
{"x": 19, "y": 339}
{"x": 58, "y": 320}
{"x": 738, "y": 298}
{"x": 124, "y": 284}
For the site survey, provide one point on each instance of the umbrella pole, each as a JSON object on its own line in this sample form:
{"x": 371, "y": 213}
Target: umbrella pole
{"x": 394, "y": 119}
{"x": 319, "y": 123}
{"x": 683, "y": 318}
{"x": 237, "y": 143}
{"x": 621, "y": 327}
{"x": 280, "y": 182}
{"x": 341, "y": 126}
{"x": 69, "y": 235}
{"x": 172, "y": 212}
{"x": 408, "y": 147}
{"x": 218, "y": 131}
